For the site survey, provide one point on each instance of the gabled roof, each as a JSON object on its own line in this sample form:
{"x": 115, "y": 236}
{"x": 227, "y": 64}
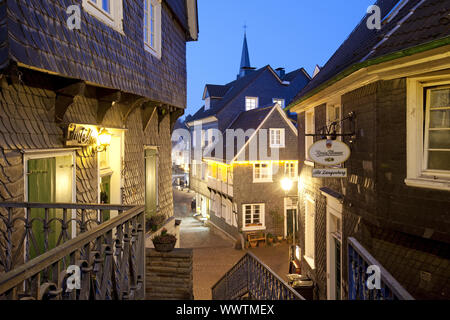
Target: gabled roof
{"x": 415, "y": 23}
{"x": 235, "y": 87}
{"x": 215, "y": 91}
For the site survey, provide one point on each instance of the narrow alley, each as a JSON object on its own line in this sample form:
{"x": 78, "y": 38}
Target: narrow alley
{"x": 214, "y": 253}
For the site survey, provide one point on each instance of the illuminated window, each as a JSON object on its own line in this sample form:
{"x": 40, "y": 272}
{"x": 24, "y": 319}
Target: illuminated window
{"x": 309, "y": 129}
{"x": 262, "y": 172}
{"x": 253, "y": 216}
{"x": 152, "y": 27}
{"x": 109, "y": 12}
{"x": 277, "y": 138}
{"x": 251, "y": 103}
{"x": 290, "y": 169}
{"x": 279, "y": 101}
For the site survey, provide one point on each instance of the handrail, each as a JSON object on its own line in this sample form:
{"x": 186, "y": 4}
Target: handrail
{"x": 253, "y": 277}
{"x": 396, "y": 290}
{"x": 111, "y": 258}
{"x": 30, "y": 268}
{"x": 60, "y": 205}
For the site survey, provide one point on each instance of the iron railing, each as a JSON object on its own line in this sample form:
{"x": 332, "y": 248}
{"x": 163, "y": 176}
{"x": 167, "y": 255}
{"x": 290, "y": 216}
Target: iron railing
{"x": 250, "y": 276}
{"x": 109, "y": 255}
{"x": 359, "y": 260}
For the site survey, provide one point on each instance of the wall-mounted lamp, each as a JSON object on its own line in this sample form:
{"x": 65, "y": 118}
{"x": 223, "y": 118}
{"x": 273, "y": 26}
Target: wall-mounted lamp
{"x": 103, "y": 140}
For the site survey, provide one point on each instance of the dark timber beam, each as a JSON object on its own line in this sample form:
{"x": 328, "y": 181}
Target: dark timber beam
{"x": 174, "y": 115}
{"x": 65, "y": 97}
{"x": 128, "y": 103}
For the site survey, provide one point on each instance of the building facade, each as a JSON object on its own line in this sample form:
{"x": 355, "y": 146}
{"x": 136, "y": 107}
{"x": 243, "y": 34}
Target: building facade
{"x": 390, "y": 99}
{"x": 89, "y": 96}
{"x": 225, "y": 187}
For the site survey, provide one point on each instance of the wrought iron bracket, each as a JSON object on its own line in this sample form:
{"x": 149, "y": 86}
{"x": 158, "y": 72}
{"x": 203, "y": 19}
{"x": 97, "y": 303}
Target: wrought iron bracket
{"x": 331, "y": 131}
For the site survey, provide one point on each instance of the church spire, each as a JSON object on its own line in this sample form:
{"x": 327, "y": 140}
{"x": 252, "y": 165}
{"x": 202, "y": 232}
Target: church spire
{"x": 245, "y": 58}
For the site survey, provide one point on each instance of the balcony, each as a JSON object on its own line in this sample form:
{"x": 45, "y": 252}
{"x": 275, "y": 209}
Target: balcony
{"x": 71, "y": 253}
{"x": 220, "y": 186}
{"x": 251, "y": 279}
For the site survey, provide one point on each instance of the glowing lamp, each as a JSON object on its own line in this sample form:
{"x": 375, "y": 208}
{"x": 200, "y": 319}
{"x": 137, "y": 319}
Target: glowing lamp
{"x": 104, "y": 139}
{"x": 286, "y": 184}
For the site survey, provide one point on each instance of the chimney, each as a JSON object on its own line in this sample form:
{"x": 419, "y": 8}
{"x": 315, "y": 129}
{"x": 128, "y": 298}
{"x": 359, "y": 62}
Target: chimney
{"x": 281, "y": 73}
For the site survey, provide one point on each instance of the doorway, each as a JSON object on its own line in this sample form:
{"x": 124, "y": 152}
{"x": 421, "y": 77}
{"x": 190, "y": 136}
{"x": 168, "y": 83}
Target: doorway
{"x": 334, "y": 251}
{"x": 49, "y": 178}
{"x": 290, "y": 217}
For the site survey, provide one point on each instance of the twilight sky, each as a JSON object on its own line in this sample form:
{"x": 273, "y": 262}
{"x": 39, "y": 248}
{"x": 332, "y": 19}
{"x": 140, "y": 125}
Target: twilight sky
{"x": 282, "y": 33}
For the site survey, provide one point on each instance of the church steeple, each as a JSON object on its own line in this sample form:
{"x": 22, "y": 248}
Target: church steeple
{"x": 245, "y": 59}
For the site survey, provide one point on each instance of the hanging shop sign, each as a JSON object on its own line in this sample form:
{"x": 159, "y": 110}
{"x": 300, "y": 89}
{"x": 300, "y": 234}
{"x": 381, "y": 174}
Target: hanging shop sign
{"x": 329, "y": 173}
{"x": 329, "y": 152}
{"x": 81, "y": 135}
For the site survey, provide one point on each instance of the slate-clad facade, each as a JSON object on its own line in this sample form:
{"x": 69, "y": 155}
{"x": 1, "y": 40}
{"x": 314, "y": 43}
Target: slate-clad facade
{"x": 97, "y": 77}
{"x": 395, "y": 206}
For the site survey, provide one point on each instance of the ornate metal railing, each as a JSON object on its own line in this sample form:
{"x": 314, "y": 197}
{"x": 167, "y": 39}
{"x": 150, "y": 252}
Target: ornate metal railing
{"x": 109, "y": 255}
{"x": 250, "y": 276}
{"x": 359, "y": 260}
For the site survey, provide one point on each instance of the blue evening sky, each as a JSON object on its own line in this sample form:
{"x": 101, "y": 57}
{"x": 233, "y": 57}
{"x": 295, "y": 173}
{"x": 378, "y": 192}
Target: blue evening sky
{"x": 282, "y": 33}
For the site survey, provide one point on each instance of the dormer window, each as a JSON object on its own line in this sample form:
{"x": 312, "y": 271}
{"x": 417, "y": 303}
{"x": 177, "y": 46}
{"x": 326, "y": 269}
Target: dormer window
{"x": 109, "y": 12}
{"x": 152, "y": 27}
{"x": 251, "y": 103}
{"x": 279, "y": 101}
{"x": 207, "y": 103}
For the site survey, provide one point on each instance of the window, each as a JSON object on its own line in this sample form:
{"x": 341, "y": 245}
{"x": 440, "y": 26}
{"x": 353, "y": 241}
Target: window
{"x": 428, "y": 134}
{"x": 277, "y": 138}
{"x": 290, "y": 169}
{"x": 109, "y": 12}
{"x": 309, "y": 129}
{"x": 152, "y": 27}
{"x": 207, "y": 103}
{"x": 279, "y": 101}
{"x": 437, "y": 129}
{"x": 251, "y": 103}
{"x": 310, "y": 209}
{"x": 262, "y": 172}
{"x": 253, "y": 216}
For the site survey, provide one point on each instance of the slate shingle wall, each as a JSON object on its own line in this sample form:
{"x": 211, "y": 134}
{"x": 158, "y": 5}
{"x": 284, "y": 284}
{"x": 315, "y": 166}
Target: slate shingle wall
{"x": 36, "y": 35}
{"x": 387, "y": 217}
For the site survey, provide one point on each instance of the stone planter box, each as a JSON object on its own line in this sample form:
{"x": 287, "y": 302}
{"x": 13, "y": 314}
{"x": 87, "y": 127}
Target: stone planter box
{"x": 164, "y": 247}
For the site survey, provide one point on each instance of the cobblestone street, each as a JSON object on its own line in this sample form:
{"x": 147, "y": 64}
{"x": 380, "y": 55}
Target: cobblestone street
{"x": 214, "y": 254}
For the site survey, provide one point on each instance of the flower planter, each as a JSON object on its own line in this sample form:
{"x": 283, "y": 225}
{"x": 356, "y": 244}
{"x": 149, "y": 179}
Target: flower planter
{"x": 280, "y": 238}
{"x": 253, "y": 244}
{"x": 270, "y": 240}
{"x": 164, "y": 247}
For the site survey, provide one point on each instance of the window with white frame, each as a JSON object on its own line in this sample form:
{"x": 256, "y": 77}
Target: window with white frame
{"x": 310, "y": 209}
{"x": 309, "y": 129}
{"x": 262, "y": 172}
{"x": 279, "y": 101}
{"x": 277, "y": 138}
{"x": 109, "y": 12}
{"x": 152, "y": 26}
{"x": 428, "y": 134}
{"x": 251, "y": 103}
{"x": 253, "y": 216}
{"x": 334, "y": 114}
{"x": 290, "y": 169}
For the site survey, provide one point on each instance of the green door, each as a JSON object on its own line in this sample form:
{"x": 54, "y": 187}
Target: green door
{"x": 49, "y": 181}
{"x": 291, "y": 216}
{"x": 151, "y": 182}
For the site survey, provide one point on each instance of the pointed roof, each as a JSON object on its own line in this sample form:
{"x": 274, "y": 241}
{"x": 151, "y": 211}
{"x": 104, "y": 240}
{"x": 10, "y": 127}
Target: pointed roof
{"x": 245, "y": 58}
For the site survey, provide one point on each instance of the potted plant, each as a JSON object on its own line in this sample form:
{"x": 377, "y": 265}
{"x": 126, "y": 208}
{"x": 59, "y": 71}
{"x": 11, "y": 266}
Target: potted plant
{"x": 254, "y": 243}
{"x": 165, "y": 242}
{"x": 279, "y": 238}
{"x": 269, "y": 238}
